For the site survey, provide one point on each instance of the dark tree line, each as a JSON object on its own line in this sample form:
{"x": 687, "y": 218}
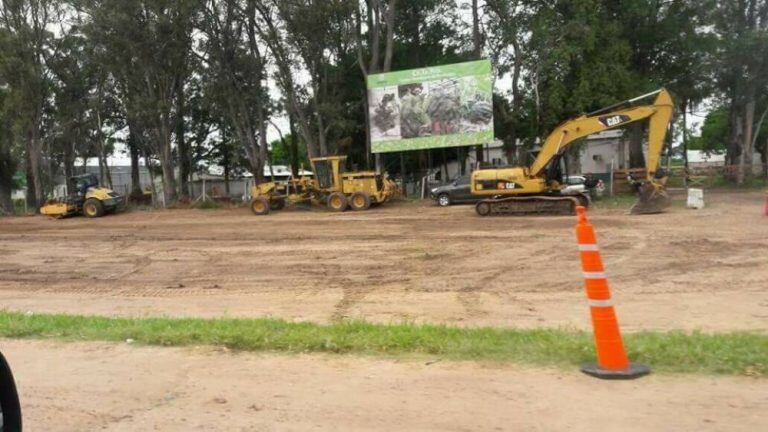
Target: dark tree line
{"x": 179, "y": 84}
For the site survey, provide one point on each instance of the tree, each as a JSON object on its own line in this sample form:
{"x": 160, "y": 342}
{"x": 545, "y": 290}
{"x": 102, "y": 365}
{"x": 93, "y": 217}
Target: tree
{"x": 25, "y": 24}
{"x": 149, "y": 42}
{"x": 742, "y": 30}
{"x": 508, "y": 22}
{"x": 235, "y": 66}
{"x": 8, "y": 160}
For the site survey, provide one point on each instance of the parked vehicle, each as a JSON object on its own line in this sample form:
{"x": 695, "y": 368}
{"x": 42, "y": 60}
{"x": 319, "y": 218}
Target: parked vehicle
{"x": 454, "y": 192}
{"x": 577, "y": 183}
{"x": 330, "y": 185}
{"x": 10, "y": 409}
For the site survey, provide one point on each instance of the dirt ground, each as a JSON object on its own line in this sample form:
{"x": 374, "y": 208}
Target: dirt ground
{"x": 681, "y": 270}
{"x": 685, "y": 269}
{"x": 85, "y": 387}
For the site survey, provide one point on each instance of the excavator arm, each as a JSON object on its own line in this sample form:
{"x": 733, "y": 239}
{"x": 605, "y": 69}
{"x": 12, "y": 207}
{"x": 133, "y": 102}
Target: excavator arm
{"x": 652, "y": 194}
{"x": 659, "y": 114}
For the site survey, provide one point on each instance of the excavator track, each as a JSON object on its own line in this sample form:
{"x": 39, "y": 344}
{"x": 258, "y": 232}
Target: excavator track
{"x": 531, "y": 205}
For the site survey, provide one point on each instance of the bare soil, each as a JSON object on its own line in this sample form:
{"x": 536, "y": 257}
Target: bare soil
{"x": 85, "y": 387}
{"x": 685, "y": 269}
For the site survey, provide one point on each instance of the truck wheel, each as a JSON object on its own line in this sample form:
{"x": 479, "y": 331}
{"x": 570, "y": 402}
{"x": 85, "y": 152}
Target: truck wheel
{"x": 444, "y": 200}
{"x": 260, "y": 206}
{"x": 360, "y": 201}
{"x": 337, "y": 202}
{"x": 93, "y": 208}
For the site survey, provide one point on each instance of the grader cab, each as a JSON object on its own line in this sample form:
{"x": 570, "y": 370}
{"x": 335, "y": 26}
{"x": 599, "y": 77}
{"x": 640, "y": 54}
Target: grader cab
{"x": 330, "y": 186}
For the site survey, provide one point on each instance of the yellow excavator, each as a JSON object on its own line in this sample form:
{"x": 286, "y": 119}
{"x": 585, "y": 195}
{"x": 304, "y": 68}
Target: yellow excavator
{"x": 538, "y": 189}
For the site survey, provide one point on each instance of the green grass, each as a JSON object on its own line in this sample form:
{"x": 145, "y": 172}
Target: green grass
{"x": 740, "y": 353}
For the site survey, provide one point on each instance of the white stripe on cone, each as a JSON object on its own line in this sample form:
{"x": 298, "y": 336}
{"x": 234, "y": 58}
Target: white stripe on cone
{"x": 601, "y": 303}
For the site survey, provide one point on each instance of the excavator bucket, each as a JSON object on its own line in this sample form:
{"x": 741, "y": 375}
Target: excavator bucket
{"x": 651, "y": 198}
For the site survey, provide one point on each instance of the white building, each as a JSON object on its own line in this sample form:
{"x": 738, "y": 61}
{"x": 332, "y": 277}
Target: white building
{"x": 602, "y": 148}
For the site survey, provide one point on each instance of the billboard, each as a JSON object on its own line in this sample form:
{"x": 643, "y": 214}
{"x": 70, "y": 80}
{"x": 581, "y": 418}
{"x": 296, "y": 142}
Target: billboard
{"x": 440, "y": 106}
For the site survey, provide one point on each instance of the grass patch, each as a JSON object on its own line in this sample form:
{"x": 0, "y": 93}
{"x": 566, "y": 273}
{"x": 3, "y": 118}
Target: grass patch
{"x": 735, "y": 353}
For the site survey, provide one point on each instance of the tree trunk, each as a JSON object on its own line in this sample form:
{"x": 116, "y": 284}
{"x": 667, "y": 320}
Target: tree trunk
{"x": 263, "y": 145}
{"x": 476, "y": 36}
{"x": 6, "y": 203}
{"x": 684, "y": 106}
{"x": 7, "y": 171}
{"x": 294, "y": 148}
{"x": 764, "y": 159}
{"x": 69, "y": 166}
{"x": 745, "y": 163}
{"x": 226, "y": 178}
{"x": 107, "y": 174}
{"x": 166, "y": 162}
{"x": 368, "y": 148}
{"x": 734, "y": 142}
{"x": 100, "y": 160}
{"x": 389, "y": 48}
{"x": 477, "y": 53}
{"x": 133, "y": 148}
{"x": 105, "y": 177}
{"x": 185, "y": 164}
{"x": 34, "y": 156}
{"x": 31, "y": 200}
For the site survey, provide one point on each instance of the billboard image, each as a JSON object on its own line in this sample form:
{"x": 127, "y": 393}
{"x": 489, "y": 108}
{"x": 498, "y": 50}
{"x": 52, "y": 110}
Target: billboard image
{"x": 440, "y": 106}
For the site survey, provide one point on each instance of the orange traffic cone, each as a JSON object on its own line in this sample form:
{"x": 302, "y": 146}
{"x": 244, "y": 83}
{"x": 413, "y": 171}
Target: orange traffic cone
{"x": 612, "y": 361}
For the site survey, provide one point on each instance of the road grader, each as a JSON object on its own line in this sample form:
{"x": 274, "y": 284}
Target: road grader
{"x": 330, "y": 186}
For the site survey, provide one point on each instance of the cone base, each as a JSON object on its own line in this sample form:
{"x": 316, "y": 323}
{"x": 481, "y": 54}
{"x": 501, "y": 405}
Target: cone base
{"x": 635, "y": 370}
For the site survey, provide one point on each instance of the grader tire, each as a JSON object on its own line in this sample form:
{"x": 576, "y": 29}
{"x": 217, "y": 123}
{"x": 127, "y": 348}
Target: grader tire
{"x": 93, "y": 208}
{"x": 360, "y": 201}
{"x": 260, "y": 206}
{"x": 337, "y": 202}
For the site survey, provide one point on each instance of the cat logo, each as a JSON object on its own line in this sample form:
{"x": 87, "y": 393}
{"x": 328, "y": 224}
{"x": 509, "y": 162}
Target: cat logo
{"x": 506, "y": 185}
{"x": 614, "y": 120}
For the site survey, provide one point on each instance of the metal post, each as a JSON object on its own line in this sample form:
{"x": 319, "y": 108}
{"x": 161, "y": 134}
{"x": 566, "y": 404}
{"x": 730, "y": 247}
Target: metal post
{"x": 611, "y": 185}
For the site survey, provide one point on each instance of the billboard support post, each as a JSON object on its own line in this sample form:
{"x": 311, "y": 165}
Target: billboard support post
{"x": 402, "y": 173}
